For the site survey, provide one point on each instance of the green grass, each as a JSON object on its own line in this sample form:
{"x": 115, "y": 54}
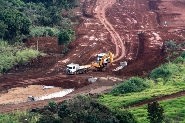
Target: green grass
{"x": 174, "y": 110}
{"x": 12, "y": 55}
{"x": 19, "y": 117}
{"x": 174, "y": 84}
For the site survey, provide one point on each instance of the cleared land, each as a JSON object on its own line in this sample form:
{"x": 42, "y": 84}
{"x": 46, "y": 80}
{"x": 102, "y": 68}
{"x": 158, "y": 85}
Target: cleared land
{"x": 132, "y": 29}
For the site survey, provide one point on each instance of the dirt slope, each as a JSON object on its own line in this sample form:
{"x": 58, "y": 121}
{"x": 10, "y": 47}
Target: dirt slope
{"x": 132, "y": 29}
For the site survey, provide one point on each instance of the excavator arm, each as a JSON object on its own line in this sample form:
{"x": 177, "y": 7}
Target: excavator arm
{"x": 101, "y": 64}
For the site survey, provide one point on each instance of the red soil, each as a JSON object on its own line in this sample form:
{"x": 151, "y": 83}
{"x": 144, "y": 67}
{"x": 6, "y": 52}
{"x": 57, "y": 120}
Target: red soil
{"x": 132, "y": 29}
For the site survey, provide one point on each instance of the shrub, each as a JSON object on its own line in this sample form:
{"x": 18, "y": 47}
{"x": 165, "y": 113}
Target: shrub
{"x": 85, "y": 110}
{"x": 44, "y": 31}
{"x": 16, "y": 22}
{"x": 134, "y": 84}
{"x": 25, "y": 56}
{"x": 155, "y": 112}
{"x": 179, "y": 60}
{"x": 182, "y": 54}
{"x": 165, "y": 71}
{"x": 47, "y": 117}
{"x": 65, "y": 36}
{"x": 52, "y": 106}
{"x": 10, "y": 56}
{"x": 124, "y": 116}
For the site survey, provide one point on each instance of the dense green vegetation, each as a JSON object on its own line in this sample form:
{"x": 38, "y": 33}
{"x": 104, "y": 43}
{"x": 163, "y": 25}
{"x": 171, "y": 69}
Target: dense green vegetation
{"x": 23, "y": 18}
{"x": 15, "y": 24}
{"x": 31, "y": 18}
{"x": 135, "y": 84}
{"x": 81, "y": 109}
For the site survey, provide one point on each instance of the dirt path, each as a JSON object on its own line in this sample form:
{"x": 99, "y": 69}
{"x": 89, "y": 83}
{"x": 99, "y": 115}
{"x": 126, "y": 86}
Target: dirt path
{"x": 102, "y": 6}
{"x": 166, "y": 97}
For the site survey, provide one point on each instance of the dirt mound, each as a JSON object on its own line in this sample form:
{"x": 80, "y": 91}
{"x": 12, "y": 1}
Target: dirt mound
{"x": 46, "y": 44}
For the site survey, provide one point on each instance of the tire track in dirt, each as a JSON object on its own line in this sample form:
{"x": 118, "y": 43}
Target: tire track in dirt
{"x": 101, "y": 9}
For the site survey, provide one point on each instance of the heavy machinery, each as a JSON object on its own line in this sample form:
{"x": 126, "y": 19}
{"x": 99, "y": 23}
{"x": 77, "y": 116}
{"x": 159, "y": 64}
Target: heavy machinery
{"x": 102, "y": 60}
{"x": 76, "y": 68}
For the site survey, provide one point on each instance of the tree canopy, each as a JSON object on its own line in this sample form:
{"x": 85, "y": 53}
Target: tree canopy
{"x": 16, "y": 22}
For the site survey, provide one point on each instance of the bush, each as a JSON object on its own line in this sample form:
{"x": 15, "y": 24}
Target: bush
{"x": 179, "y": 60}
{"x": 182, "y": 54}
{"x": 124, "y": 116}
{"x": 65, "y": 36}
{"x": 16, "y": 22}
{"x": 85, "y": 110}
{"x": 25, "y": 56}
{"x": 47, "y": 117}
{"x": 44, "y": 31}
{"x": 10, "y": 56}
{"x": 52, "y": 106}
{"x": 165, "y": 71}
{"x": 134, "y": 84}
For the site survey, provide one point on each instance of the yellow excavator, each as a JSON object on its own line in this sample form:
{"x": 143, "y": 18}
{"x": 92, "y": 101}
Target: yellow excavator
{"x": 102, "y": 60}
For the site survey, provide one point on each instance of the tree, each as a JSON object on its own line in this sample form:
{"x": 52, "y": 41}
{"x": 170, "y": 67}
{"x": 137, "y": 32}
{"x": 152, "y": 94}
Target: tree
{"x": 3, "y": 28}
{"x": 84, "y": 109}
{"x": 170, "y": 47}
{"x": 64, "y": 37}
{"x": 155, "y": 112}
{"x": 17, "y": 24}
{"x": 124, "y": 116}
{"x": 47, "y": 117}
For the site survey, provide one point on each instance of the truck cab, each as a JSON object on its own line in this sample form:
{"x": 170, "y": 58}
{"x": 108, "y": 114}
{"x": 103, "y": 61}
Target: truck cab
{"x": 72, "y": 68}
{"x": 99, "y": 57}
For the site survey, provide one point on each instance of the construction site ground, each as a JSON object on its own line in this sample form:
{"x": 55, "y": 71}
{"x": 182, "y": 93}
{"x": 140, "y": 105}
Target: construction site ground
{"x": 134, "y": 30}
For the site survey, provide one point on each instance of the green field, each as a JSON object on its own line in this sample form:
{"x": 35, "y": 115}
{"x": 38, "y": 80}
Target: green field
{"x": 172, "y": 82}
{"x": 175, "y": 84}
{"x": 174, "y": 111}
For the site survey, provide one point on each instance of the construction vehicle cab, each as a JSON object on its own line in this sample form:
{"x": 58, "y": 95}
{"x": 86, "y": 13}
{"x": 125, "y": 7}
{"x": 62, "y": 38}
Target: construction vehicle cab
{"x": 100, "y": 56}
{"x": 102, "y": 60}
{"x": 72, "y": 68}
{"x": 76, "y": 68}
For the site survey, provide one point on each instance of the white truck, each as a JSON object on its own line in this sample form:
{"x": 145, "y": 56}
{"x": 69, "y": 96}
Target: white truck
{"x": 76, "y": 68}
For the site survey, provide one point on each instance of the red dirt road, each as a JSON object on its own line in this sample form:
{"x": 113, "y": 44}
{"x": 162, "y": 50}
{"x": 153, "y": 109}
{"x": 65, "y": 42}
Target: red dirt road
{"x": 132, "y": 29}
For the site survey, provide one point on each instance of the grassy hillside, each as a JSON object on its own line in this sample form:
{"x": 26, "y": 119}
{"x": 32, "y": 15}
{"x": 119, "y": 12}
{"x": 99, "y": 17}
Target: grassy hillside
{"x": 165, "y": 80}
{"x": 12, "y": 55}
{"x": 174, "y": 111}
{"x": 158, "y": 88}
